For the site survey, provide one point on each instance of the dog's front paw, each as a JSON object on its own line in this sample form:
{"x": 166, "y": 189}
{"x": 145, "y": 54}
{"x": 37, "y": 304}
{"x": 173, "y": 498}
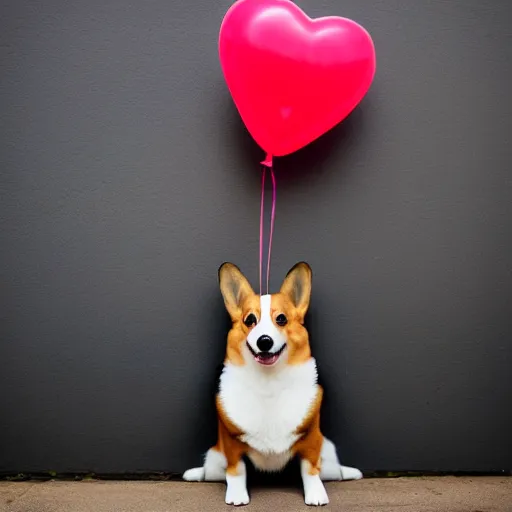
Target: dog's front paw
{"x": 315, "y": 493}
{"x": 237, "y": 496}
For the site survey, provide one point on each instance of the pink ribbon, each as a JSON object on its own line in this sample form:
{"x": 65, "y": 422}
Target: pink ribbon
{"x": 267, "y": 163}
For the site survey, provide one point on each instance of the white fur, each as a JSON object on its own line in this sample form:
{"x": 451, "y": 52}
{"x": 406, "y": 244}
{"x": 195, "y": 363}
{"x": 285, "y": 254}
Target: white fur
{"x": 314, "y": 490}
{"x": 348, "y": 473}
{"x": 331, "y": 469}
{"x": 215, "y": 465}
{"x": 213, "y": 470}
{"x": 236, "y": 491}
{"x": 268, "y": 406}
{"x": 270, "y": 462}
{"x": 330, "y": 466}
{"x": 194, "y": 475}
{"x": 266, "y": 326}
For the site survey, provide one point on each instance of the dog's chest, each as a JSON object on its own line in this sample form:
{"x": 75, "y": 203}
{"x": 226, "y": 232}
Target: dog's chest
{"x": 268, "y": 407}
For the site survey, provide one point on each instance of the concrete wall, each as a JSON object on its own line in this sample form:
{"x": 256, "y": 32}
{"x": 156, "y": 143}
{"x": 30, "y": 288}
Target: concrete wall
{"x": 126, "y": 178}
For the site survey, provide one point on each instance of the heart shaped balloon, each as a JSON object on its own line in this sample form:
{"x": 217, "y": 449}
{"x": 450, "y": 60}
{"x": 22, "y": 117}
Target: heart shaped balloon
{"x": 292, "y": 78}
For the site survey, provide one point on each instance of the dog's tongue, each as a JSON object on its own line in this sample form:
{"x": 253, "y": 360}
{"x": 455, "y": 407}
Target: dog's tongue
{"x": 267, "y": 360}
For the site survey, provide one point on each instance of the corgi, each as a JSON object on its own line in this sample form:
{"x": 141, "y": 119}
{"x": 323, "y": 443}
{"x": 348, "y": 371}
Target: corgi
{"x": 268, "y": 400}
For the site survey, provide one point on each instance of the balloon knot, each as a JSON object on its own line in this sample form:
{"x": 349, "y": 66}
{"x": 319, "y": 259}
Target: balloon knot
{"x": 268, "y": 161}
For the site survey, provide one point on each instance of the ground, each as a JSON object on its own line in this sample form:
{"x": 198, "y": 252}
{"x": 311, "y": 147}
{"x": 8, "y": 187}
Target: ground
{"x": 419, "y": 494}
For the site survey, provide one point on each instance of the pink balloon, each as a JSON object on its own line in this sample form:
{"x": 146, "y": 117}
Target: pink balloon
{"x": 292, "y": 78}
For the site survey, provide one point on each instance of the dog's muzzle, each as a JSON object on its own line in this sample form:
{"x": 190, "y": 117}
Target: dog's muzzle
{"x": 265, "y": 357}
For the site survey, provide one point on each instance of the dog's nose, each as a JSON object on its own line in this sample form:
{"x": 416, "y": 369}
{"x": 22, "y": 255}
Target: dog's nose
{"x": 265, "y": 343}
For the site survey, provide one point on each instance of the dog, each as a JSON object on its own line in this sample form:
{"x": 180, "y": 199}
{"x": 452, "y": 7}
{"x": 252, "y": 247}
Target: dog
{"x": 268, "y": 400}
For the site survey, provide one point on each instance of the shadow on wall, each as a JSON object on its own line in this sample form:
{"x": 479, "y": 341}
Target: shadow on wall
{"x": 203, "y": 427}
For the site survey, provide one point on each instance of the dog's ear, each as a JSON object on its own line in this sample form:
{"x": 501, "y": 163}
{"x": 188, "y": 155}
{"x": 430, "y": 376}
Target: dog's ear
{"x": 234, "y": 288}
{"x": 297, "y": 287}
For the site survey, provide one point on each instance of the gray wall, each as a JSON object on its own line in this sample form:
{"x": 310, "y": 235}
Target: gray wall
{"x": 127, "y": 178}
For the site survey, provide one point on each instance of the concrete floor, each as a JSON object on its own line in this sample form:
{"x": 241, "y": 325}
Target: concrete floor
{"x": 420, "y": 494}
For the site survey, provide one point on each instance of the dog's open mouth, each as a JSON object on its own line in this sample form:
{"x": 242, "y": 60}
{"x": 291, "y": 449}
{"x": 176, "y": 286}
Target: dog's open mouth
{"x": 267, "y": 358}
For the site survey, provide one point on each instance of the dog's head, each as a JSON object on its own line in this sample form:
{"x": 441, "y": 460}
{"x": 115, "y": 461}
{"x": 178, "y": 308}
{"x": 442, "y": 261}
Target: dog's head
{"x": 267, "y": 329}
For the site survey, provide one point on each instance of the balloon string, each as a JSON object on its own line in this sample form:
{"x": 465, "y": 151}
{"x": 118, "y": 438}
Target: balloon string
{"x": 267, "y": 163}
{"x": 261, "y": 221}
{"x": 272, "y": 220}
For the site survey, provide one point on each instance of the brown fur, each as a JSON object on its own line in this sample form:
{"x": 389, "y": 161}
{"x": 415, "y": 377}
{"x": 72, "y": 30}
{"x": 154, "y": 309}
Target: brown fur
{"x": 239, "y": 331}
{"x": 296, "y": 334}
{"x": 309, "y": 445}
{"x": 228, "y": 440}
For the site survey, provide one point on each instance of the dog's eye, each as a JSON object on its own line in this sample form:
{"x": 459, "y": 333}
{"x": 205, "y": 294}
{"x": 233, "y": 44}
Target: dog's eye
{"x": 250, "y": 320}
{"x": 281, "y": 320}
